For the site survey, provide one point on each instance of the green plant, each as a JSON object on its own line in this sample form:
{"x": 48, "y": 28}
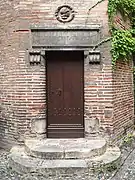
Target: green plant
{"x": 128, "y": 139}
{"x": 123, "y": 41}
{"x": 123, "y": 45}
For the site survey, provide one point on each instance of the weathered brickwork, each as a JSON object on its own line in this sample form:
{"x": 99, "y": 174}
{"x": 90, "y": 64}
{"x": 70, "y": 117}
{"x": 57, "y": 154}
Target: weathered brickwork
{"x": 123, "y": 114}
{"x": 8, "y": 50}
{"x": 22, "y": 86}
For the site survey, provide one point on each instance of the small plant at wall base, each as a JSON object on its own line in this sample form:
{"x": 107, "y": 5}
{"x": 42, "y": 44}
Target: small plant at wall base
{"x": 123, "y": 40}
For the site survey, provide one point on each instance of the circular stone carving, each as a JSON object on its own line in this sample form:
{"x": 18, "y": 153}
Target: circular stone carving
{"x": 65, "y": 14}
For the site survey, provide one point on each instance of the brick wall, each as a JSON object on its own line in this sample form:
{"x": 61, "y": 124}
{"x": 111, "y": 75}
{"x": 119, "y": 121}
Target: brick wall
{"x": 23, "y": 92}
{"x": 123, "y": 88}
{"x": 9, "y": 43}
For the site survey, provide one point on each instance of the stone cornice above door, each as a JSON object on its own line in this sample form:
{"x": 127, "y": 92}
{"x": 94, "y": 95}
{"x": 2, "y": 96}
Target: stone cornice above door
{"x": 65, "y": 38}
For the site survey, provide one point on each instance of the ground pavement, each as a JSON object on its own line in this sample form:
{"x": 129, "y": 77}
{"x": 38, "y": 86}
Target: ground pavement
{"x": 127, "y": 170}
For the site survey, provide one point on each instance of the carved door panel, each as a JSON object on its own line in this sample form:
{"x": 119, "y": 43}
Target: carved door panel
{"x": 65, "y": 94}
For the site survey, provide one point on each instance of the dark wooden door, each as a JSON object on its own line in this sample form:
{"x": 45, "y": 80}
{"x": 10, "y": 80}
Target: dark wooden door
{"x": 65, "y": 94}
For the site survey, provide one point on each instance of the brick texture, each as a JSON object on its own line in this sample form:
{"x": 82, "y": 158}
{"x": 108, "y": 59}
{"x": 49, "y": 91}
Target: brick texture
{"x": 123, "y": 88}
{"x": 22, "y": 86}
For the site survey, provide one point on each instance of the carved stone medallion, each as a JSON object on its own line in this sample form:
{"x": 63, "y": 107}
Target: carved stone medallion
{"x": 65, "y": 14}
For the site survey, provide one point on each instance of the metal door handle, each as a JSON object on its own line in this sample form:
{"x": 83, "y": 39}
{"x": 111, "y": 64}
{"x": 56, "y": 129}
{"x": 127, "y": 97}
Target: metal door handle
{"x": 59, "y": 92}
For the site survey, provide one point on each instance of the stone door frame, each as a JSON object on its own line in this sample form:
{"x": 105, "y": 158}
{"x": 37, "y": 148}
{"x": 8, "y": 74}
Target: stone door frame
{"x": 67, "y": 40}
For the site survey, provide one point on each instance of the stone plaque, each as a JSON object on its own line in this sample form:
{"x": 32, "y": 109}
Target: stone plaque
{"x": 65, "y": 38}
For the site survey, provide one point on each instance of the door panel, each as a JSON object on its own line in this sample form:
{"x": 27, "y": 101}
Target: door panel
{"x": 65, "y": 94}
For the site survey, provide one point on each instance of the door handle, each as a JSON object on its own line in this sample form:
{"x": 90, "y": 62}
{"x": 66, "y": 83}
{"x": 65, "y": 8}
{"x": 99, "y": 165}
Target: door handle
{"x": 59, "y": 91}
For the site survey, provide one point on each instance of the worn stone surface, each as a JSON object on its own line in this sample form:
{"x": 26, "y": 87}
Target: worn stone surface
{"x": 23, "y": 163}
{"x": 65, "y": 148}
{"x": 64, "y": 157}
{"x": 126, "y": 172}
{"x": 72, "y": 37}
{"x": 110, "y": 159}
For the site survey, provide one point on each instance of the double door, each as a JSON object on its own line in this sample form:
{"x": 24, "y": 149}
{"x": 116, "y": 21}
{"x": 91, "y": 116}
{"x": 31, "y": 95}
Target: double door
{"x": 65, "y": 94}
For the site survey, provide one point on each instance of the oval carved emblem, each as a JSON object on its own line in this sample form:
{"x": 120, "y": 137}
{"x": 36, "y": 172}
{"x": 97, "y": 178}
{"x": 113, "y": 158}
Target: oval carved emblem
{"x": 65, "y": 14}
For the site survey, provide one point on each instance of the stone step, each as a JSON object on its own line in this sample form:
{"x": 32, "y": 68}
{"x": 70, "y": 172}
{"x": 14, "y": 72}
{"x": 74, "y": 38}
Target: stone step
{"x": 22, "y": 163}
{"x": 65, "y": 148}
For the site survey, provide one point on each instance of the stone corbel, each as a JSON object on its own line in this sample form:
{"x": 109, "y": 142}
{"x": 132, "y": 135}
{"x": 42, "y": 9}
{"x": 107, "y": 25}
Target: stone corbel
{"x": 93, "y": 56}
{"x": 35, "y": 56}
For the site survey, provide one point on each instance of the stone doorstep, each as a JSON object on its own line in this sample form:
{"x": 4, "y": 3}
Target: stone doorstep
{"x": 22, "y": 163}
{"x": 65, "y": 148}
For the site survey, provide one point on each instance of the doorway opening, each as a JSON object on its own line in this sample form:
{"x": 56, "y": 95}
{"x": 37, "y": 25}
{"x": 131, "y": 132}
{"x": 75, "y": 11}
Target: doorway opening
{"x": 65, "y": 94}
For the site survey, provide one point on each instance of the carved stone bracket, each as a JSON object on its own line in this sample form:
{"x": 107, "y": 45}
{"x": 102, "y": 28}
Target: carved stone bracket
{"x": 35, "y": 56}
{"x": 93, "y": 56}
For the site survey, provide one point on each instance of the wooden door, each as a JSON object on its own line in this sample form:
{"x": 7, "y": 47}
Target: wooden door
{"x": 65, "y": 94}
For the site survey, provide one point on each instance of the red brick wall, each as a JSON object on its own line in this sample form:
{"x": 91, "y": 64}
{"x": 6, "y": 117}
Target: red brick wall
{"x": 123, "y": 115}
{"x": 23, "y": 92}
{"x": 98, "y": 93}
{"x": 9, "y": 44}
